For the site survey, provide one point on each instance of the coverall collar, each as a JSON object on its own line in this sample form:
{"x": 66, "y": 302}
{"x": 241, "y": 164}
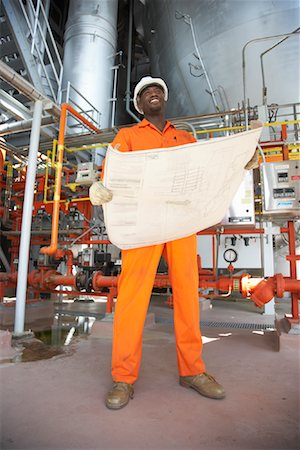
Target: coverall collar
{"x": 145, "y": 123}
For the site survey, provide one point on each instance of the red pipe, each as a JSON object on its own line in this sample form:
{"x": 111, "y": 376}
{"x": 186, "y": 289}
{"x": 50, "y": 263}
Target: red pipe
{"x": 274, "y": 286}
{"x": 261, "y": 291}
{"x": 49, "y": 279}
{"x": 70, "y": 259}
{"x": 99, "y": 281}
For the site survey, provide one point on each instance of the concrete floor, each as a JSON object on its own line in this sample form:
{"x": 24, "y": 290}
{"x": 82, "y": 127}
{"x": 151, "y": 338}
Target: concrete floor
{"x": 58, "y": 403}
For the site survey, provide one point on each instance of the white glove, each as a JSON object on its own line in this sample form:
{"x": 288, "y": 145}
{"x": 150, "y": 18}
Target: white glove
{"x": 99, "y": 194}
{"x": 253, "y": 163}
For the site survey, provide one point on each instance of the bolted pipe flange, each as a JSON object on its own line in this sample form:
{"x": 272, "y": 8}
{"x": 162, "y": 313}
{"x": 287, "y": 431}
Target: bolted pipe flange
{"x": 49, "y": 281}
{"x": 96, "y": 277}
{"x": 244, "y": 283}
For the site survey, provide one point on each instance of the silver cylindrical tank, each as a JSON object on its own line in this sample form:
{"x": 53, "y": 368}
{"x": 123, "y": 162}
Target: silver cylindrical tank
{"x": 89, "y": 47}
{"x": 221, "y": 29}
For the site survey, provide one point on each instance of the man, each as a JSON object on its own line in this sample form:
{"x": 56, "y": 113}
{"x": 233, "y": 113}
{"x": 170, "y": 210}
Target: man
{"x": 139, "y": 268}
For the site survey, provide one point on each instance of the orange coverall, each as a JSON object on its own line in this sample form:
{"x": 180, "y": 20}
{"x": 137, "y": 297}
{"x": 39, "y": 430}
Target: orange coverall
{"x": 139, "y": 267}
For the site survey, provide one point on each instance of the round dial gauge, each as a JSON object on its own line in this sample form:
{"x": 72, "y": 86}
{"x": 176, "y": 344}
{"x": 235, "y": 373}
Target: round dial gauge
{"x": 230, "y": 255}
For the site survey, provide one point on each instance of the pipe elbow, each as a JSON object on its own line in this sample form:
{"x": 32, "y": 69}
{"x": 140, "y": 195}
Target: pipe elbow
{"x": 263, "y": 292}
{"x": 49, "y": 250}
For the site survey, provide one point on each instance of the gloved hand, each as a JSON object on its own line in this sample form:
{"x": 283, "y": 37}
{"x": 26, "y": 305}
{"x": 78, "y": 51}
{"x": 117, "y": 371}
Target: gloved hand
{"x": 99, "y": 194}
{"x": 253, "y": 163}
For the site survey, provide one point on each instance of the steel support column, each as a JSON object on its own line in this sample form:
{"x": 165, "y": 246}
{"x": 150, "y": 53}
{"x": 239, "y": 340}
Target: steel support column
{"x": 27, "y": 218}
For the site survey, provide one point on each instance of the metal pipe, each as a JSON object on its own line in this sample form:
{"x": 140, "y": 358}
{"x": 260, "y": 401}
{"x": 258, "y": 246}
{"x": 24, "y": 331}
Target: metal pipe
{"x": 114, "y": 96}
{"x": 42, "y": 232}
{"x": 212, "y": 92}
{"x": 27, "y": 218}
{"x": 17, "y": 81}
{"x": 276, "y": 36}
{"x": 264, "y": 90}
{"x": 91, "y": 35}
{"x": 129, "y": 53}
{"x": 65, "y": 108}
{"x": 23, "y": 125}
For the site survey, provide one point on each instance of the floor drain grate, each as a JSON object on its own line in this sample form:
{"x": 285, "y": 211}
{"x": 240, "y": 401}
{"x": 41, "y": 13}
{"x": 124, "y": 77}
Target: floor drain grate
{"x": 215, "y": 324}
{"x": 248, "y": 326}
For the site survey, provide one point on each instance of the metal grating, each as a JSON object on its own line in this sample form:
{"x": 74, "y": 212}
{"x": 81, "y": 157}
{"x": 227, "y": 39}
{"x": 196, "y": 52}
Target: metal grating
{"x": 215, "y": 324}
{"x": 248, "y": 326}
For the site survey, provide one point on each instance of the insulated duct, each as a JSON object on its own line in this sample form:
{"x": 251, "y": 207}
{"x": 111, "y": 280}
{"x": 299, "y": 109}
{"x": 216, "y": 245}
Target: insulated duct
{"x": 89, "y": 48}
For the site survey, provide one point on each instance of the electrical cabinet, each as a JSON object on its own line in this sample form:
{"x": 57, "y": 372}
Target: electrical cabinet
{"x": 281, "y": 188}
{"x": 241, "y": 210}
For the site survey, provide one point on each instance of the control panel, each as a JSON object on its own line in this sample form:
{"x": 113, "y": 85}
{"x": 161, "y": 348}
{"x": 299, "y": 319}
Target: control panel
{"x": 281, "y": 188}
{"x": 87, "y": 173}
{"x": 241, "y": 210}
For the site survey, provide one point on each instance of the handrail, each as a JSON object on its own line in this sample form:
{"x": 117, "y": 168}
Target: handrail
{"x": 55, "y": 91}
{"x": 264, "y": 90}
{"x": 252, "y": 41}
{"x": 241, "y": 127}
{"x": 65, "y": 108}
{"x": 68, "y": 90}
{"x": 187, "y": 18}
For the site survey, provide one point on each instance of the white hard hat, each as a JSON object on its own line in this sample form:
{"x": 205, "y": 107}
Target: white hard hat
{"x": 142, "y": 84}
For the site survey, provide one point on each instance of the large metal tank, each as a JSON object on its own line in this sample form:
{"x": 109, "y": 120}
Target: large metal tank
{"x": 89, "y": 48}
{"x": 221, "y": 29}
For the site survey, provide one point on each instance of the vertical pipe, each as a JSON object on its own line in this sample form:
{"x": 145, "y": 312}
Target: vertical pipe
{"x": 127, "y": 96}
{"x": 27, "y": 217}
{"x": 58, "y": 179}
{"x": 212, "y": 92}
{"x": 293, "y": 268}
{"x": 59, "y": 173}
{"x": 114, "y": 99}
{"x": 268, "y": 251}
{"x": 89, "y": 44}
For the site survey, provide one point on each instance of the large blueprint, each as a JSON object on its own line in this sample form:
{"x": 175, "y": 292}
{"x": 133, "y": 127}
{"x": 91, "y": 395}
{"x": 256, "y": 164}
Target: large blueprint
{"x": 168, "y": 193}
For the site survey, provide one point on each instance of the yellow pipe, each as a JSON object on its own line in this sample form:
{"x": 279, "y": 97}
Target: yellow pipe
{"x": 9, "y": 169}
{"x": 86, "y": 147}
{"x": 54, "y": 147}
{"x": 46, "y": 176}
{"x": 213, "y": 130}
{"x": 288, "y": 122}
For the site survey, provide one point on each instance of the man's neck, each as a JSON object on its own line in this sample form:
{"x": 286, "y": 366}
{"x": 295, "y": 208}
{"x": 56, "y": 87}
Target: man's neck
{"x": 158, "y": 121}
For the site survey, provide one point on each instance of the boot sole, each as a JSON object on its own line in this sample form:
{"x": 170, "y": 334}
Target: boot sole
{"x": 187, "y": 385}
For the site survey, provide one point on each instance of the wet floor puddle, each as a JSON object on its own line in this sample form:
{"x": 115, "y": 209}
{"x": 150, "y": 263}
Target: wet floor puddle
{"x": 58, "y": 341}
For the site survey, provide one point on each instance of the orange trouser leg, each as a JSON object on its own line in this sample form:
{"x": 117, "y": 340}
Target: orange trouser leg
{"x": 135, "y": 286}
{"x": 183, "y": 273}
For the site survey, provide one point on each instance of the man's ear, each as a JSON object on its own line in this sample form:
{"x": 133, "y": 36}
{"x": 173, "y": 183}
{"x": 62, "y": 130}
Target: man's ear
{"x": 138, "y": 103}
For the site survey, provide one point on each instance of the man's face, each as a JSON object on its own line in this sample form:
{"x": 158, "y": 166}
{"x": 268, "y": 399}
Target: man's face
{"x": 152, "y": 99}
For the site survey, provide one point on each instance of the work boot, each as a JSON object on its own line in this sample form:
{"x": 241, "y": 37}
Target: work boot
{"x": 205, "y": 384}
{"x": 119, "y": 395}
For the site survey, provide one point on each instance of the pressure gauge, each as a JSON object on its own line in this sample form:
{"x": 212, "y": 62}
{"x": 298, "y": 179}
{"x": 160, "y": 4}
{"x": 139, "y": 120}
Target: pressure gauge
{"x": 230, "y": 255}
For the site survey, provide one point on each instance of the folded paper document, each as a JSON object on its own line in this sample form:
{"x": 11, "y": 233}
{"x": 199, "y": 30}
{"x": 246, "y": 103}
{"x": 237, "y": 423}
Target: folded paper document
{"x": 169, "y": 193}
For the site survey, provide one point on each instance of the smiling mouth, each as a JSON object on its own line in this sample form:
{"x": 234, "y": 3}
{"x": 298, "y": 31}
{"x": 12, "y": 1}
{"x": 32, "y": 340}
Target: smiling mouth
{"x": 154, "y": 100}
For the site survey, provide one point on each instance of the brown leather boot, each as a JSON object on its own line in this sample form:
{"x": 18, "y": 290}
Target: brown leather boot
{"x": 205, "y": 384}
{"x": 119, "y": 395}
